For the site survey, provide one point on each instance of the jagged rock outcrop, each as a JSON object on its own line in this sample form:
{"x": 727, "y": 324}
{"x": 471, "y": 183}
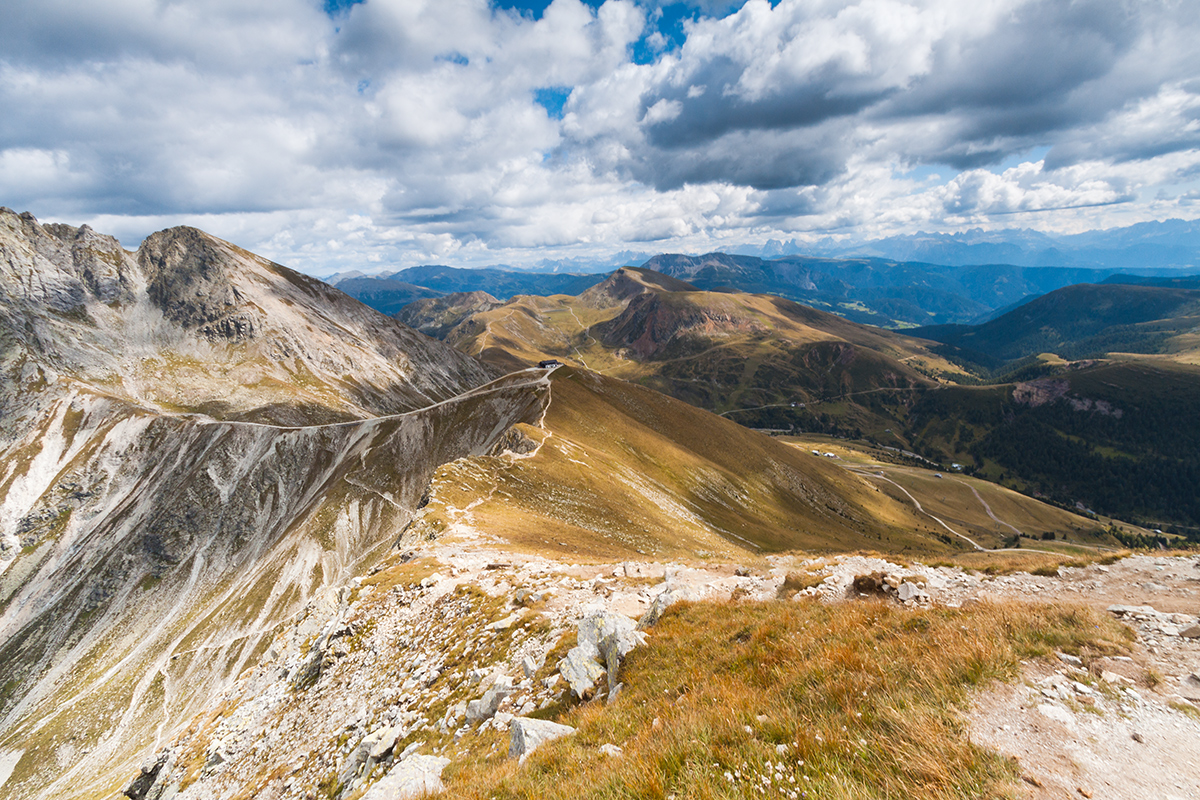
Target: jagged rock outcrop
{"x": 604, "y": 640}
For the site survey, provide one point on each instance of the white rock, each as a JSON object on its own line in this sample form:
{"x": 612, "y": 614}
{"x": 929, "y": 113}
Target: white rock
{"x": 611, "y": 750}
{"x": 526, "y": 735}
{"x": 1056, "y": 713}
{"x": 581, "y": 669}
{"x": 506, "y": 623}
{"x": 529, "y": 666}
{"x": 661, "y": 603}
{"x": 415, "y": 776}
{"x": 486, "y": 706}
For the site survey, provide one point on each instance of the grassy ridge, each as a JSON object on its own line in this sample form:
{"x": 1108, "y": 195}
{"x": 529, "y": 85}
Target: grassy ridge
{"x": 626, "y": 471}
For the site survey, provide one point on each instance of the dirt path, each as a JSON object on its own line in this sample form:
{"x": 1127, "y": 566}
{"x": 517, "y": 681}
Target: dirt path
{"x": 988, "y": 509}
{"x": 917, "y": 504}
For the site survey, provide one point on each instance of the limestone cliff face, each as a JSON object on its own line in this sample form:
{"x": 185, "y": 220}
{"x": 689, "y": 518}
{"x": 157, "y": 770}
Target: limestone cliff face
{"x": 194, "y": 444}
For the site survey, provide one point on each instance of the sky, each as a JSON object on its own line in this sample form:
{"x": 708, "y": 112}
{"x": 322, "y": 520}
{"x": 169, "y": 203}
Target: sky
{"x": 333, "y": 135}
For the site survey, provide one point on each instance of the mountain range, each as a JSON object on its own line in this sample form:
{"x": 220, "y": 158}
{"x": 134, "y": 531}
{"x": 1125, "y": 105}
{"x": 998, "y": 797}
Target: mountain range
{"x": 1173, "y": 243}
{"x": 201, "y": 446}
{"x": 953, "y": 394}
{"x": 875, "y": 291}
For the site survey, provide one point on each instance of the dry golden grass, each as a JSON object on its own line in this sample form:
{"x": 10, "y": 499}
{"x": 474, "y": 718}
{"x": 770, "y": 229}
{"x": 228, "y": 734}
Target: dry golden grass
{"x": 857, "y": 700}
{"x": 1035, "y": 562}
{"x": 627, "y": 472}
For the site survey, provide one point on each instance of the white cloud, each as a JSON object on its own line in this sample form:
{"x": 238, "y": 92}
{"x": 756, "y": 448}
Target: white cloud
{"x": 408, "y": 130}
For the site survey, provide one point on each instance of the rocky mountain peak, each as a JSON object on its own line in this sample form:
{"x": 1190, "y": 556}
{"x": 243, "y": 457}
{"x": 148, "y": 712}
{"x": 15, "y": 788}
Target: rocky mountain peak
{"x": 61, "y": 268}
{"x": 629, "y": 282}
{"x": 189, "y": 279}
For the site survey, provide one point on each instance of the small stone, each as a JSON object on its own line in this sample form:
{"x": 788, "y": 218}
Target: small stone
{"x": 504, "y": 624}
{"x": 611, "y": 750}
{"x": 526, "y": 735}
{"x": 1192, "y": 632}
{"x": 1137, "y": 737}
{"x": 1066, "y": 658}
{"x": 529, "y": 667}
{"x": 1057, "y": 713}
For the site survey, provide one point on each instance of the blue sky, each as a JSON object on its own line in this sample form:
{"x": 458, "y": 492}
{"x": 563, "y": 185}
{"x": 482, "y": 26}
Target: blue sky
{"x": 332, "y": 135}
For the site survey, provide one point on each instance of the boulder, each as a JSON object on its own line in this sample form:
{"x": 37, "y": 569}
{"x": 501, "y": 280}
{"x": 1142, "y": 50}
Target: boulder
{"x": 616, "y": 645}
{"x": 529, "y": 666}
{"x": 581, "y": 669}
{"x": 910, "y": 593}
{"x": 486, "y": 706}
{"x": 526, "y": 735}
{"x": 415, "y": 776}
{"x": 665, "y": 599}
{"x": 385, "y": 741}
{"x": 1192, "y": 632}
{"x": 604, "y": 640}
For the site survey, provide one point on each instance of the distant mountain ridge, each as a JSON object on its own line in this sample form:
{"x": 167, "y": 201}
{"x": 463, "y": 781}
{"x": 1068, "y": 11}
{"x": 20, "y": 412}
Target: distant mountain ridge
{"x": 499, "y": 283}
{"x": 1083, "y": 320}
{"x": 877, "y": 291}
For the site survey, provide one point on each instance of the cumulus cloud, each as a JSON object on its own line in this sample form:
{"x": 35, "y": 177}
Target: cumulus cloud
{"x": 399, "y": 131}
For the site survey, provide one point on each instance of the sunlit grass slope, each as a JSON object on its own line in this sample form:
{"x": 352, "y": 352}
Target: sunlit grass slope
{"x": 990, "y": 514}
{"x": 797, "y": 699}
{"x": 623, "y": 471}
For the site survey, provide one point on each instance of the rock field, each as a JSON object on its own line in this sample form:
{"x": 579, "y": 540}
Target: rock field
{"x": 440, "y": 649}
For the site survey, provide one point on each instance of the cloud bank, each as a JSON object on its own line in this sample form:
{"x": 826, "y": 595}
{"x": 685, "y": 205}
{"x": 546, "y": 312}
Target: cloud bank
{"x": 393, "y": 132}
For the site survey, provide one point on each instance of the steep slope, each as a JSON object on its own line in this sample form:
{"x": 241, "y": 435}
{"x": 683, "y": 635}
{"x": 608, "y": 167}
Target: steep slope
{"x": 437, "y": 317}
{"x": 147, "y": 548}
{"x": 1083, "y": 320}
{"x": 617, "y": 471}
{"x": 195, "y": 324}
